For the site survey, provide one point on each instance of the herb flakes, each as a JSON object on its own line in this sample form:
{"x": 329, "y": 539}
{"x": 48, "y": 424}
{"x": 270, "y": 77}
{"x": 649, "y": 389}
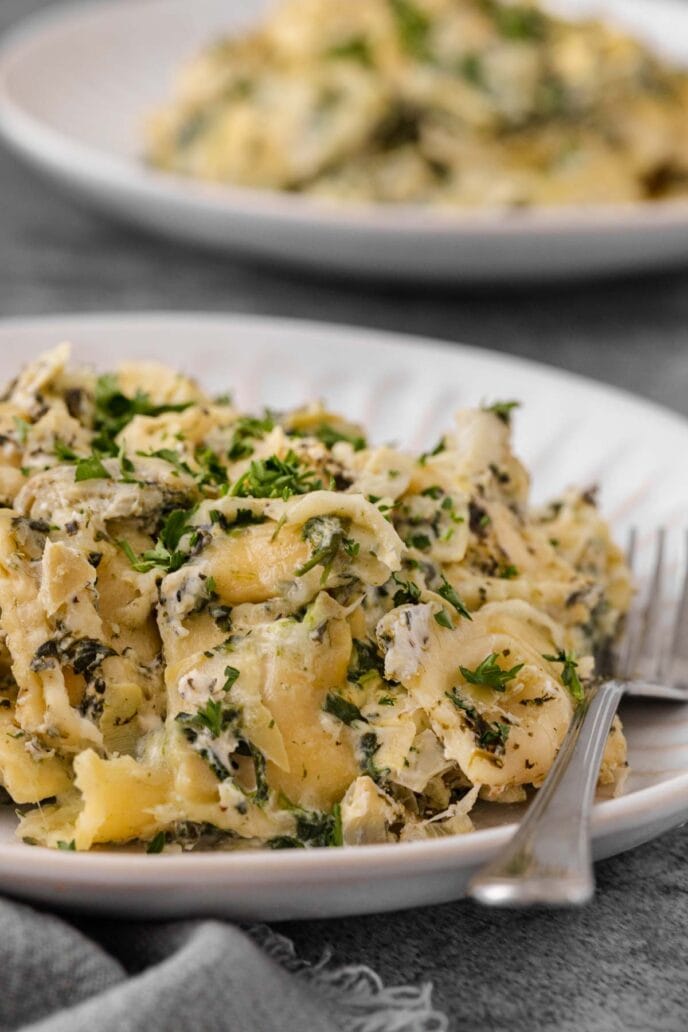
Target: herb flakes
{"x": 276, "y": 478}
{"x": 447, "y": 592}
{"x": 569, "y": 673}
{"x": 413, "y": 27}
{"x": 114, "y": 410}
{"x": 502, "y": 410}
{"x": 489, "y": 674}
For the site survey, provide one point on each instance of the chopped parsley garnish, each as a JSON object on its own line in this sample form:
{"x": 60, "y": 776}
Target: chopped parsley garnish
{"x": 407, "y": 592}
{"x": 175, "y": 526}
{"x": 434, "y": 492}
{"x": 342, "y": 709}
{"x": 470, "y": 67}
{"x": 63, "y": 452}
{"x": 443, "y": 619}
{"x": 383, "y": 507}
{"x": 521, "y": 22}
{"x": 502, "y": 409}
{"x": 231, "y": 675}
{"x": 448, "y": 506}
{"x": 490, "y": 735}
{"x": 489, "y": 674}
{"x": 262, "y": 790}
{"x": 165, "y": 554}
{"x": 126, "y": 466}
{"x": 327, "y": 535}
{"x": 420, "y": 541}
{"x": 68, "y": 847}
{"x": 569, "y": 673}
{"x": 329, "y": 436}
{"x": 212, "y": 471}
{"x": 356, "y": 48}
{"x": 168, "y": 455}
{"x": 448, "y": 593}
{"x": 114, "y": 409}
{"x": 437, "y": 450}
{"x": 493, "y": 738}
{"x": 280, "y": 523}
{"x": 276, "y": 478}
{"x": 508, "y": 572}
{"x": 413, "y": 27}
{"x": 90, "y": 469}
{"x": 22, "y": 428}
{"x": 212, "y": 717}
{"x": 248, "y": 429}
{"x": 157, "y": 844}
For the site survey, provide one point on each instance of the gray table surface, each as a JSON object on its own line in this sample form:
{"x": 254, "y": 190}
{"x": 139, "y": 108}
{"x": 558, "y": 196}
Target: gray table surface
{"x": 620, "y": 964}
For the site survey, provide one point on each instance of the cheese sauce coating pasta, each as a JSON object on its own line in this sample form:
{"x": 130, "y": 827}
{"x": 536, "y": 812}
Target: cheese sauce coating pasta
{"x": 228, "y": 630}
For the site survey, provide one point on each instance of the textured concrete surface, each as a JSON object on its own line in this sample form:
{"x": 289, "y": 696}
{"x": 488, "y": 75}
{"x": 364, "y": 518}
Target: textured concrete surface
{"x": 620, "y": 964}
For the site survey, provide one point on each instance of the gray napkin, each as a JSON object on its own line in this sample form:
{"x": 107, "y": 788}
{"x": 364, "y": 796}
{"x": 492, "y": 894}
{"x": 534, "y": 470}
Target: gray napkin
{"x": 116, "y": 977}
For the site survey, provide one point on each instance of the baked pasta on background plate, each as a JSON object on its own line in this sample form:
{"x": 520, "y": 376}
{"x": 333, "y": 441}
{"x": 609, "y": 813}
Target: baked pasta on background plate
{"x": 237, "y": 631}
{"x": 460, "y": 104}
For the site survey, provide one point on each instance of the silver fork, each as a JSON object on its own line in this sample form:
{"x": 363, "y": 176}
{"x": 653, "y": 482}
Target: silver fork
{"x": 549, "y": 859}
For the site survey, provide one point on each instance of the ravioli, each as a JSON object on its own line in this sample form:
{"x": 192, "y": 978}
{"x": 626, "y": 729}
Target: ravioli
{"x": 248, "y": 631}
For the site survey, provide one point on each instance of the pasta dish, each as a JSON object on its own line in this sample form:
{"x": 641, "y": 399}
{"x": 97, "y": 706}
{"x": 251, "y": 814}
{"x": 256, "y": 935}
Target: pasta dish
{"x": 456, "y": 103}
{"x": 241, "y": 631}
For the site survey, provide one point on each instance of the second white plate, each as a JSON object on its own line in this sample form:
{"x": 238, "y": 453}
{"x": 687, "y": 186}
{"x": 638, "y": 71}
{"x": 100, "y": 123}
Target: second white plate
{"x": 570, "y": 430}
{"x": 77, "y": 82}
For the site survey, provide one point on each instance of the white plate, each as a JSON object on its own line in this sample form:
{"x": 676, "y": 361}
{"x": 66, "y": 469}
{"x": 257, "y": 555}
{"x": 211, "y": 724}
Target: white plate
{"x": 405, "y": 389}
{"x": 77, "y": 82}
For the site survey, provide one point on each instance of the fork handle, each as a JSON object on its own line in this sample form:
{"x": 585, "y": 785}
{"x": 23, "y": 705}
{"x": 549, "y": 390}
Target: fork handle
{"x": 549, "y": 859}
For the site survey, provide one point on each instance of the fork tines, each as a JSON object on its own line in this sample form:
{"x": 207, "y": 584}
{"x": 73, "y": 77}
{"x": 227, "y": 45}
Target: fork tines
{"x": 655, "y": 646}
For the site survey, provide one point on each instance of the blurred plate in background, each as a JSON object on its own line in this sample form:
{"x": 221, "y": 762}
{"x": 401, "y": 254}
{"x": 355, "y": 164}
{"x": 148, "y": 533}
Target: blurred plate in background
{"x": 77, "y": 82}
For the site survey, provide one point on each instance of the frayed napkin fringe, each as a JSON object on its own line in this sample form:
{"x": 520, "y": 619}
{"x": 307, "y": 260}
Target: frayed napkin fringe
{"x": 362, "y": 1002}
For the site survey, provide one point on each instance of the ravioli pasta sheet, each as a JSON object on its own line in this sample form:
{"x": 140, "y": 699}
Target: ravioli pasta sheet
{"x": 241, "y": 631}
{"x": 454, "y": 103}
